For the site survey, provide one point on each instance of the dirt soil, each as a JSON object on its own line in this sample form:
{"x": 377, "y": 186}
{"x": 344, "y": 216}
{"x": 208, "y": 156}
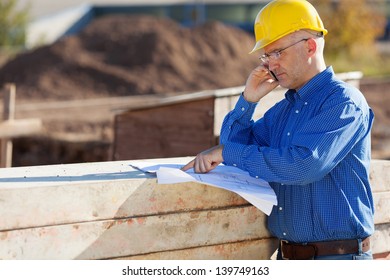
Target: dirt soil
{"x": 125, "y": 56}
{"x": 133, "y": 55}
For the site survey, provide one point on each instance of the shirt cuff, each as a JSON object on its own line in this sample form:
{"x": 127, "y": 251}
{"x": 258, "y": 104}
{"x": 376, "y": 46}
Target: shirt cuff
{"x": 233, "y": 154}
{"x": 244, "y": 109}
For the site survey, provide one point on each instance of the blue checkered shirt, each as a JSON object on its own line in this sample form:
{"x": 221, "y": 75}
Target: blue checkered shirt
{"x": 314, "y": 149}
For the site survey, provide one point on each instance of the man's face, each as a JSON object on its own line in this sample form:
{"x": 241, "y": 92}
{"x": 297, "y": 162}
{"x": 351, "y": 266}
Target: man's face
{"x": 287, "y": 60}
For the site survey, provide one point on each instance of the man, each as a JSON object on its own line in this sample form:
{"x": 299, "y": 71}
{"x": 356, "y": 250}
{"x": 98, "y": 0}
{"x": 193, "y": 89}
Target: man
{"x": 313, "y": 147}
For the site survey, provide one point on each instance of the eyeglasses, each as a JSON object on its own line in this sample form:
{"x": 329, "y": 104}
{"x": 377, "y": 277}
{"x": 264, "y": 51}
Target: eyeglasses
{"x": 265, "y": 58}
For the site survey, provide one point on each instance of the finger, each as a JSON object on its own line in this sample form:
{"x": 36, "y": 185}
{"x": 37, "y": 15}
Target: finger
{"x": 188, "y": 165}
{"x": 202, "y": 166}
{"x": 198, "y": 165}
{"x": 214, "y": 165}
{"x": 261, "y": 69}
{"x": 198, "y": 168}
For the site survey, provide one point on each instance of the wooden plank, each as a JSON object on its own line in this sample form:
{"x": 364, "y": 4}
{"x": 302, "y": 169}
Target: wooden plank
{"x": 100, "y": 210}
{"x": 6, "y": 152}
{"x": 176, "y": 99}
{"x": 167, "y": 131}
{"x": 260, "y": 249}
{"x": 18, "y": 128}
{"x": 11, "y": 128}
{"x": 106, "y": 200}
{"x": 149, "y": 235}
{"x": 381, "y": 239}
{"x": 8, "y": 114}
{"x": 134, "y": 236}
{"x": 9, "y": 102}
{"x": 380, "y": 175}
{"x": 223, "y": 105}
{"x": 72, "y": 193}
{"x": 382, "y": 207}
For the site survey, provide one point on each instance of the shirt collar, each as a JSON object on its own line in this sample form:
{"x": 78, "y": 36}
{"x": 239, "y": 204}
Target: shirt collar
{"x": 312, "y": 87}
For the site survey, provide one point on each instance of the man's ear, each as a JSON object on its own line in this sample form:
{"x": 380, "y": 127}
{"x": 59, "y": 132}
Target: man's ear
{"x": 311, "y": 46}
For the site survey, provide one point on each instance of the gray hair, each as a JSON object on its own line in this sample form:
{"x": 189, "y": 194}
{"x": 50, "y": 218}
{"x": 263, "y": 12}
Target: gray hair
{"x": 308, "y": 33}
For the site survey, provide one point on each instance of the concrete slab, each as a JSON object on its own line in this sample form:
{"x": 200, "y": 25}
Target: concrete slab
{"x": 109, "y": 210}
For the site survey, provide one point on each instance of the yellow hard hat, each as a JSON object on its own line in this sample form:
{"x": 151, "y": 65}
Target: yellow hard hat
{"x": 282, "y": 17}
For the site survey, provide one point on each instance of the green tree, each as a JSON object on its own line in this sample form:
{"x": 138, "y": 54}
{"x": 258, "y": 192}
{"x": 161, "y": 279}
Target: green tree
{"x": 353, "y": 25}
{"x": 13, "y": 23}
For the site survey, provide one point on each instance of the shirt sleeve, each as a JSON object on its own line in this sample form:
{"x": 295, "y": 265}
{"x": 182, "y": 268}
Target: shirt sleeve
{"x": 238, "y": 125}
{"x": 316, "y": 147}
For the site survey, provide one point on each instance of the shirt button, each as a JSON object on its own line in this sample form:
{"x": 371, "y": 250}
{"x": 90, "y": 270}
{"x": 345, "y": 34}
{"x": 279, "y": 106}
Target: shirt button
{"x": 297, "y": 111}
{"x": 284, "y": 233}
{"x": 305, "y": 103}
{"x": 280, "y": 208}
{"x": 242, "y": 109}
{"x": 257, "y": 177}
{"x": 234, "y": 164}
{"x": 288, "y": 133}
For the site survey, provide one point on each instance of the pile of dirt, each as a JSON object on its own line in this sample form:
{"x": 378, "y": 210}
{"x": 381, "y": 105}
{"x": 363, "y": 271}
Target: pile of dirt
{"x": 126, "y": 55}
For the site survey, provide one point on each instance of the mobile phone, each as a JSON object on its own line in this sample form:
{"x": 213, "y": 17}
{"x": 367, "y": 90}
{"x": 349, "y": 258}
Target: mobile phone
{"x": 270, "y": 72}
{"x": 273, "y": 75}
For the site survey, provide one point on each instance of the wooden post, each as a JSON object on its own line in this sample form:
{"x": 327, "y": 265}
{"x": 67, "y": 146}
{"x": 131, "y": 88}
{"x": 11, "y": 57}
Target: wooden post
{"x": 8, "y": 114}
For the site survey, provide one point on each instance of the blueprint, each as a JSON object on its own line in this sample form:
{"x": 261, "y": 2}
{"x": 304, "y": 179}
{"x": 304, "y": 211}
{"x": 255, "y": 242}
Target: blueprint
{"x": 256, "y": 191}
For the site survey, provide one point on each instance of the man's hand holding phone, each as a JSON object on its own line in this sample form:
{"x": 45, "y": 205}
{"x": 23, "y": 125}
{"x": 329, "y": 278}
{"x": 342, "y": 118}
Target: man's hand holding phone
{"x": 260, "y": 82}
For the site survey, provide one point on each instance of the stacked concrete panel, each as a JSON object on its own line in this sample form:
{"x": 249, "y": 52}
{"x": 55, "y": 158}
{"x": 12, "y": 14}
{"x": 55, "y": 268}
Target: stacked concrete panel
{"x": 109, "y": 210}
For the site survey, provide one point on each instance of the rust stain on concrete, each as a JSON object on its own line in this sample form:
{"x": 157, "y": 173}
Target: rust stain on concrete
{"x": 141, "y": 221}
{"x": 109, "y": 224}
{"x": 253, "y": 215}
{"x": 194, "y": 215}
{"x": 180, "y": 202}
{"x": 3, "y": 235}
{"x": 210, "y": 215}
